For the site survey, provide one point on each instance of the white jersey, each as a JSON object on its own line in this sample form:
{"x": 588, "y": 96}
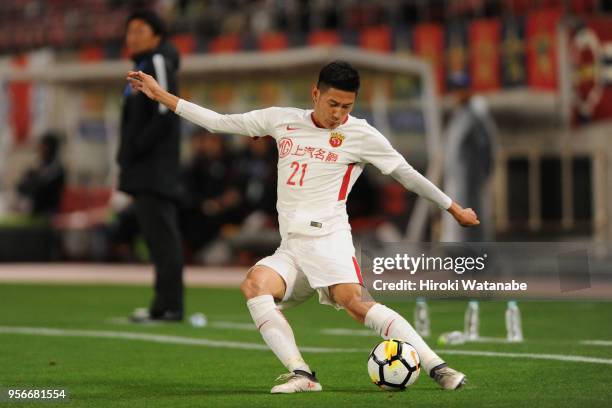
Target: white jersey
{"x": 317, "y": 167}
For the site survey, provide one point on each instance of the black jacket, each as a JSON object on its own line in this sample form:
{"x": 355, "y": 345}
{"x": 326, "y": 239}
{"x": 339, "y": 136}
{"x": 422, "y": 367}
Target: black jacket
{"x": 44, "y": 186}
{"x": 149, "y": 149}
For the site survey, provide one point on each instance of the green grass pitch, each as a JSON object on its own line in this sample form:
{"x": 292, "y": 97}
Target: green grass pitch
{"x": 119, "y": 372}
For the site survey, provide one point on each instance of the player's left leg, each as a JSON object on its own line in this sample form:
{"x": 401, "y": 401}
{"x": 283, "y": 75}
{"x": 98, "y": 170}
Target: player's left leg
{"x": 390, "y": 325}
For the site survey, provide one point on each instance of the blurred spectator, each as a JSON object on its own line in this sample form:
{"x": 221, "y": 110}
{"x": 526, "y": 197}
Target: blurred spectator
{"x": 40, "y": 188}
{"x": 364, "y": 199}
{"x": 258, "y": 234}
{"x": 469, "y": 161}
{"x": 257, "y": 173}
{"x": 211, "y": 198}
{"x": 149, "y": 163}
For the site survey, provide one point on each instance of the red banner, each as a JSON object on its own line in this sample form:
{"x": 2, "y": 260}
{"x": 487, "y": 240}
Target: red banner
{"x": 484, "y": 55}
{"x": 591, "y": 62}
{"x": 19, "y": 92}
{"x": 428, "y": 42}
{"x": 541, "y": 30}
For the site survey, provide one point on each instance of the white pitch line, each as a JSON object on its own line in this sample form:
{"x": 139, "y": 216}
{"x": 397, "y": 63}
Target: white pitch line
{"x": 158, "y": 338}
{"x": 218, "y": 324}
{"x": 367, "y": 333}
{"x": 494, "y": 340}
{"x": 596, "y": 342}
{"x": 533, "y": 356}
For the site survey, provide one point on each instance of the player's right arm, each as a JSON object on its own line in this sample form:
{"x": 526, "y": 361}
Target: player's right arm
{"x": 253, "y": 123}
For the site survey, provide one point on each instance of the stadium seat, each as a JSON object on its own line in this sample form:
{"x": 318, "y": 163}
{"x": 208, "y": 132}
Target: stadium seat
{"x": 324, "y": 37}
{"x": 273, "y": 41}
{"x": 225, "y": 43}
{"x": 91, "y": 53}
{"x": 185, "y": 43}
{"x": 376, "y": 39}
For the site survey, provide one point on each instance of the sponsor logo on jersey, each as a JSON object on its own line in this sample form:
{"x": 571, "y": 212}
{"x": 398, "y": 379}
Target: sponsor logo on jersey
{"x": 312, "y": 153}
{"x": 284, "y": 147}
{"x": 336, "y": 138}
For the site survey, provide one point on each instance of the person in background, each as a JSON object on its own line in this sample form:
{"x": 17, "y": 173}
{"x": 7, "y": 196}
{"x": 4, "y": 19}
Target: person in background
{"x": 257, "y": 172}
{"x": 40, "y": 188}
{"x": 148, "y": 158}
{"x": 469, "y": 163}
{"x": 211, "y": 198}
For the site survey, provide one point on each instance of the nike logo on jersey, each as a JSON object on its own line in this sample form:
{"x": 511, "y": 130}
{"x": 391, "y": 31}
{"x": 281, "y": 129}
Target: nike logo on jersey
{"x": 291, "y": 128}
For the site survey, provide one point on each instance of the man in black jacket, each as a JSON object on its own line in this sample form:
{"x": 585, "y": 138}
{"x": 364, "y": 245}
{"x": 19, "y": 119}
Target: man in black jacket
{"x": 149, "y": 162}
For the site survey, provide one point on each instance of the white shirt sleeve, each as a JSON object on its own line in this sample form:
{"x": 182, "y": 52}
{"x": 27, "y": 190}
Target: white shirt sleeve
{"x": 254, "y": 123}
{"x": 377, "y": 150}
{"x": 407, "y": 176}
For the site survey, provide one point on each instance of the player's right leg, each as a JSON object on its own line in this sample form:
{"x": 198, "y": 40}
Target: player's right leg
{"x": 261, "y": 287}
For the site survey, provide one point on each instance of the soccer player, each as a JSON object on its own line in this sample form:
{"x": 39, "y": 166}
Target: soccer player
{"x": 321, "y": 153}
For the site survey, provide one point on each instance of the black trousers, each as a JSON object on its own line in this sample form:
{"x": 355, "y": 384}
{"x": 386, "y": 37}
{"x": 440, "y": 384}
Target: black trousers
{"x": 158, "y": 220}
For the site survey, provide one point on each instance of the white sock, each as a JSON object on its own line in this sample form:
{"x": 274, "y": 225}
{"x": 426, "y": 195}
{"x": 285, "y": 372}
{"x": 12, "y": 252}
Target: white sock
{"x": 390, "y": 325}
{"x": 276, "y": 332}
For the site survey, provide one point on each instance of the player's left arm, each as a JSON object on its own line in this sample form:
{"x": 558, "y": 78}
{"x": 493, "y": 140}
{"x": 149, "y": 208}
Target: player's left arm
{"x": 407, "y": 176}
{"x": 377, "y": 150}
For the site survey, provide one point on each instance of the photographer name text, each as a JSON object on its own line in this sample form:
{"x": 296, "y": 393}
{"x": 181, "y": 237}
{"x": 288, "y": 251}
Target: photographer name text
{"x": 426, "y": 285}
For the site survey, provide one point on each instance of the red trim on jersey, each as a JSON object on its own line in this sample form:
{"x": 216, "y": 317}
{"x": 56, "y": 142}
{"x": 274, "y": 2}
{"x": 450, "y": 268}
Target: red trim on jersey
{"x": 388, "y": 327}
{"x": 316, "y": 123}
{"x": 357, "y": 270}
{"x": 320, "y": 126}
{"x": 345, "y": 182}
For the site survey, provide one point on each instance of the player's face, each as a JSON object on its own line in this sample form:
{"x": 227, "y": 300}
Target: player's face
{"x": 140, "y": 37}
{"x": 332, "y": 106}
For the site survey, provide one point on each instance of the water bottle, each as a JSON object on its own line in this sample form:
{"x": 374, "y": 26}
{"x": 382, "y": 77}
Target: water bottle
{"x": 421, "y": 318}
{"x": 513, "y": 323}
{"x": 472, "y": 321}
{"x": 452, "y": 338}
{"x": 198, "y": 320}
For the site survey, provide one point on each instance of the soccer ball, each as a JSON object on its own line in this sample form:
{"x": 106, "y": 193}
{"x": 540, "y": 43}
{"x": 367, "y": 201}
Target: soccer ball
{"x": 393, "y": 365}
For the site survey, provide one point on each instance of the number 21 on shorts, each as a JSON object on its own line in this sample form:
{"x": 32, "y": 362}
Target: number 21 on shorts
{"x": 296, "y": 168}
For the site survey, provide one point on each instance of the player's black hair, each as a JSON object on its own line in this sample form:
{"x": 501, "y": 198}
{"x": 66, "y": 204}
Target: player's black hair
{"x": 340, "y": 75}
{"x": 153, "y": 20}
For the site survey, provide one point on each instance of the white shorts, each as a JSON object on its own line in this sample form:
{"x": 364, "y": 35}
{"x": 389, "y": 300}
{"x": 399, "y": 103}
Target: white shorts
{"x": 309, "y": 264}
